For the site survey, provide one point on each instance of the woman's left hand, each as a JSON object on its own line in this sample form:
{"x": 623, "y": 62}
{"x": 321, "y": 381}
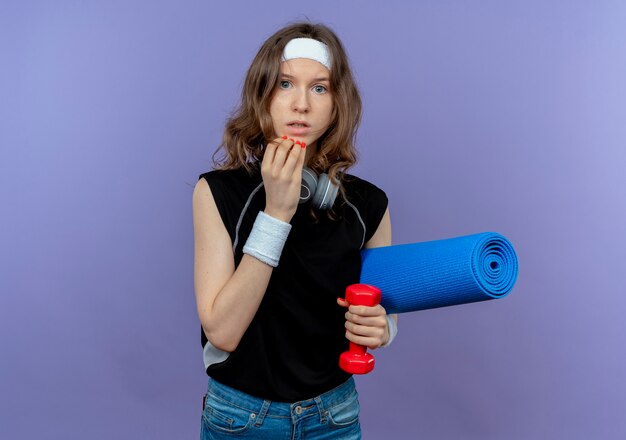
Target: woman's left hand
{"x": 366, "y": 325}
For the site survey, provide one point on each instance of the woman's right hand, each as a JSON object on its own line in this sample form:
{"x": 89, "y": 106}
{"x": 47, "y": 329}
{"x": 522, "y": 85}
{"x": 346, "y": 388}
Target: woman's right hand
{"x": 281, "y": 170}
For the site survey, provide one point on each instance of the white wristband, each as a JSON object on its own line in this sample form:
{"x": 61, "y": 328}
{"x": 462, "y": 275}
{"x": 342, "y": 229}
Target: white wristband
{"x": 267, "y": 239}
{"x": 393, "y": 329}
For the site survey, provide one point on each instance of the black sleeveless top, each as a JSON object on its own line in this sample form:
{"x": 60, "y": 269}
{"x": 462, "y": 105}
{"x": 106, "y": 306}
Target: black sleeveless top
{"x": 291, "y": 349}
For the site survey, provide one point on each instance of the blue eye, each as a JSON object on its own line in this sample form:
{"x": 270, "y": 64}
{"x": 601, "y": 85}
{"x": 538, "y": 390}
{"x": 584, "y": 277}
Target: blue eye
{"x": 282, "y": 83}
{"x": 317, "y": 89}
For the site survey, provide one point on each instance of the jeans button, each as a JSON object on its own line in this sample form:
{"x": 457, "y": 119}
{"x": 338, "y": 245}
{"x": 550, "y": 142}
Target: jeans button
{"x": 298, "y": 410}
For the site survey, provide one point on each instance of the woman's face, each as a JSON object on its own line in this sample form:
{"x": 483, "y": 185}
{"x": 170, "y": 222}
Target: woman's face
{"x": 302, "y": 95}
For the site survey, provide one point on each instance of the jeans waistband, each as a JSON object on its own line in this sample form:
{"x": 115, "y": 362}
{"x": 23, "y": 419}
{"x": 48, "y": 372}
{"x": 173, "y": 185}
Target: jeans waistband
{"x": 246, "y": 401}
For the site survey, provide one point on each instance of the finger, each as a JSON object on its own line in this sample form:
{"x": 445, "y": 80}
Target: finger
{"x": 281, "y": 153}
{"x": 376, "y": 310}
{"x": 277, "y": 141}
{"x": 374, "y": 321}
{"x": 369, "y": 342}
{"x": 293, "y": 157}
{"x": 270, "y": 152}
{"x": 365, "y": 330}
{"x": 342, "y": 302}
{"x": 301, "y": 159}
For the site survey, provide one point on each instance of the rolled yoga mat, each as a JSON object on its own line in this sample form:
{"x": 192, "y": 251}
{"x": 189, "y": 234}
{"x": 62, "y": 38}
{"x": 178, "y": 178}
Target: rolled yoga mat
{"x": 441, "y": 273}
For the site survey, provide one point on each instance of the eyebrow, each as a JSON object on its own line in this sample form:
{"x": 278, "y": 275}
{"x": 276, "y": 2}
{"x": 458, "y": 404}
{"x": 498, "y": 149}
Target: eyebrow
{"x": 323, "y": 78}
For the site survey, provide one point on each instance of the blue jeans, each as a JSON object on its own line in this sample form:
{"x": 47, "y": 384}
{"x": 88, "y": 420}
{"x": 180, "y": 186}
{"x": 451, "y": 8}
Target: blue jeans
{"x": 230, "y": 413}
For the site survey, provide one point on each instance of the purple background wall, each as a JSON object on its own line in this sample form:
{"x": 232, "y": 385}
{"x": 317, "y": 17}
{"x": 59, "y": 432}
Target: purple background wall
{"x": 486, "y": 115}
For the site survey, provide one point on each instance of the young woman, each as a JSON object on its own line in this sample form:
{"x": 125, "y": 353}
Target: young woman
{"x": 271, "y": 266}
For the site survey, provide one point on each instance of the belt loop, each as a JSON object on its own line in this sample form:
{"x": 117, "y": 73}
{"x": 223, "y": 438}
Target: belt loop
{"x": 321, "y": 409}
{"x": 263, "y": 412}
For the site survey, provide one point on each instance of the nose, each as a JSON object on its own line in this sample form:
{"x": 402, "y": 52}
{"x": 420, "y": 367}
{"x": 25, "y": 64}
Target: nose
{"x": 301, "y": 102}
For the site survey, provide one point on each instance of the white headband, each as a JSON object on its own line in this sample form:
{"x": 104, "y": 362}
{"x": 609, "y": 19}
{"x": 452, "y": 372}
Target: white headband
{"x": 307, "y": 48}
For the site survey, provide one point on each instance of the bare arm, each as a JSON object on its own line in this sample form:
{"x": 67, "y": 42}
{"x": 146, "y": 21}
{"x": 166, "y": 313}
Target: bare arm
{"x": 368, "y": 325}
{"x": 227, "y": 299}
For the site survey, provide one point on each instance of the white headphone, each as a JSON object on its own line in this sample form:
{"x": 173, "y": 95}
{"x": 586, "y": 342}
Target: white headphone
{"x": 320, "y": 190}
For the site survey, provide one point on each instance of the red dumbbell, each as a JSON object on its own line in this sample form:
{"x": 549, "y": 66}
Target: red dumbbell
{"x": 357, "y": 360}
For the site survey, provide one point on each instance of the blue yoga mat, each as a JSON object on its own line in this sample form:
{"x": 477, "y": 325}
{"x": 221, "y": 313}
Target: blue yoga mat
{"x": 441, "y": 273}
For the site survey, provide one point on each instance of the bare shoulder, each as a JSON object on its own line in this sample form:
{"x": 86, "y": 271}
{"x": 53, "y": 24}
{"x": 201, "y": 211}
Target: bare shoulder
{"x": 205, "y": 211}
{"x": 206, "y": 217}
{"x": 202, "y": 194}
{"x": 382, "y": 236}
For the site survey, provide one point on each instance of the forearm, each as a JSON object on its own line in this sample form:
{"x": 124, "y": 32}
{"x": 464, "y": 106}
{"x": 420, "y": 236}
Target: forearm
{"x": 236, "y": 304}
{"x": 238, "y": 300}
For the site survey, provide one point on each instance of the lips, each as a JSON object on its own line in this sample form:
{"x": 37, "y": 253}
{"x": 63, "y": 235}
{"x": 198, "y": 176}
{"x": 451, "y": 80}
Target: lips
{"x": 297, "y": 123}
{"x": 298, "y": 131}
{"x": 298, "y": 128}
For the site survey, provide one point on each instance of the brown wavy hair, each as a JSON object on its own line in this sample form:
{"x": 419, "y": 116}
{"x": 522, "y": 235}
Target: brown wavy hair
{"x": 250, "y": 126}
